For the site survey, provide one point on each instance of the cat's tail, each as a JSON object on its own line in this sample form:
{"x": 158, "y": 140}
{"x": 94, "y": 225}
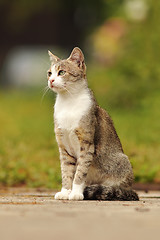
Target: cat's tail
{"x": 109, "y": 193}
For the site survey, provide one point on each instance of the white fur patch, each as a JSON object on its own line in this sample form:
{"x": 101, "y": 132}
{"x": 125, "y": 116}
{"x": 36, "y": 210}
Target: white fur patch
{"x": 69, "y": 110}
{"x": 64, "y": 194}
{"x": 77, "y": 192}
{"x": 54, "y": 73}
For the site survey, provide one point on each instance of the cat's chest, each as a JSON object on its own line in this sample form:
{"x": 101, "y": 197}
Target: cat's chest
{"x": 71, "y": 143}
{"x": 69, "y": 112}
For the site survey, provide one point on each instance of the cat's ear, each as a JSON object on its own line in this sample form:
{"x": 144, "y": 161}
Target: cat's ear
{"x": 77, "y": 56}
{"x": 54, "y": 59}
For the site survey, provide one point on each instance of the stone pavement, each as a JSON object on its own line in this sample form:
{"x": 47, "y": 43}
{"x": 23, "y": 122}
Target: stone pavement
{"x": 30, "y": 214}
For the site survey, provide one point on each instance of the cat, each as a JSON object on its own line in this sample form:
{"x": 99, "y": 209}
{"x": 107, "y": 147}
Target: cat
{"x": 93, "y": 164}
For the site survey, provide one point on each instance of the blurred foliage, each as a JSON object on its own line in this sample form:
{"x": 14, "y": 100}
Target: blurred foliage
{"x": 88, "y": 10}
{"x": 66, "y": 18}
{"x": 136, "y": 73}
{"x": 28, "y": 153}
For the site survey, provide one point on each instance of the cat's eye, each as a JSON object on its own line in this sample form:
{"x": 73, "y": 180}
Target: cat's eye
{"x": 49, "y": 73}
{"x": 61, "y": 73}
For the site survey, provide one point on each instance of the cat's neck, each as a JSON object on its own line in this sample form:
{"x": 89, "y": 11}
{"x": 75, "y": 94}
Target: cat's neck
{"x": 74, "y": 92}
{"x": 69, "y": 109}
{"x": 77, "y": 101}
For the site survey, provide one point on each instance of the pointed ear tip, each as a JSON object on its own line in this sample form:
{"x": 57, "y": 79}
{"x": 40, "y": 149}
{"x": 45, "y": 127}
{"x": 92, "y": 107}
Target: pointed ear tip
{"x": 77, "y": 48}
{"x": 78, "y": 51}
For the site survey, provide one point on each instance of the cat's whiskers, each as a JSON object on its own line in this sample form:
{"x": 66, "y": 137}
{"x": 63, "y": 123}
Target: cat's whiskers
{"x": 72, "y": 88}
{"x": 45, "y": 91}
{"x": 69, "y": 85}
{"x": 68, "y": 91}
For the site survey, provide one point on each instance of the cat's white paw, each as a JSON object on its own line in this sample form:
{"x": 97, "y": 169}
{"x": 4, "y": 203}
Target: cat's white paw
{"x": 76, "y": 196}
{"x": 63, "y": 195}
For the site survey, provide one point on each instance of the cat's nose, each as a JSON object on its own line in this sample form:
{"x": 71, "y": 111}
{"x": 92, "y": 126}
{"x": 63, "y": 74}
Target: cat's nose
{"x": 52, "y": 80}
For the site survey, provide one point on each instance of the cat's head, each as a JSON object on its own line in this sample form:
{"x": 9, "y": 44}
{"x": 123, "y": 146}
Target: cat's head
{"x": 69, "y": 74}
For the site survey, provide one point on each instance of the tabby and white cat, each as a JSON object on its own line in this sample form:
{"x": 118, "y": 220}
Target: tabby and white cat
{"x": 93, "y": 164}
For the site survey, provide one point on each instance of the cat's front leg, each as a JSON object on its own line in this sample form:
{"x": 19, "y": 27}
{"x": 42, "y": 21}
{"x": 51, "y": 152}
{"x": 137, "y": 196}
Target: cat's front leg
{"x": 83, "y": 164}
{"x": 68, "y": 165}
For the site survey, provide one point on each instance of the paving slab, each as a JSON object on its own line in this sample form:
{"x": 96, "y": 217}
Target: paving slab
{"x": 30, "y": 214}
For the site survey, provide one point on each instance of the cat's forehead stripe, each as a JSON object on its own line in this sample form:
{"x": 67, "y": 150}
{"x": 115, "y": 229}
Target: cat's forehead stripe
{"x": 67, "y": 66}
{"x": 53, "y": 68}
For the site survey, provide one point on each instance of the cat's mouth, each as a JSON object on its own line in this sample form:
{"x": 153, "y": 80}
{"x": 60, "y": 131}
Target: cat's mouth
{"x": 55, "y": 88}
{"x": 52, "y": 85}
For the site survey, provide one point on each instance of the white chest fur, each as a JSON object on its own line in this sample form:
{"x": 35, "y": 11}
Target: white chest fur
{"x": 69, "y": 110}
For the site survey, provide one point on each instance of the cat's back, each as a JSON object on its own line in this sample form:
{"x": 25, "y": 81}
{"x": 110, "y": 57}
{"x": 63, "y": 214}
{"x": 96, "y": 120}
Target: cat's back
{"x": 105, "y": 133}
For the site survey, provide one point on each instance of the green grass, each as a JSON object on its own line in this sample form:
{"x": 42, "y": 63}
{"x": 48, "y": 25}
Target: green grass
{"x": 28, "y": 150}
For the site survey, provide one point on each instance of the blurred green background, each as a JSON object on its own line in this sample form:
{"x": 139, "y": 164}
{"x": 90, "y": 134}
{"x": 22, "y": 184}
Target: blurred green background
{"x": 121, "y": 42}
